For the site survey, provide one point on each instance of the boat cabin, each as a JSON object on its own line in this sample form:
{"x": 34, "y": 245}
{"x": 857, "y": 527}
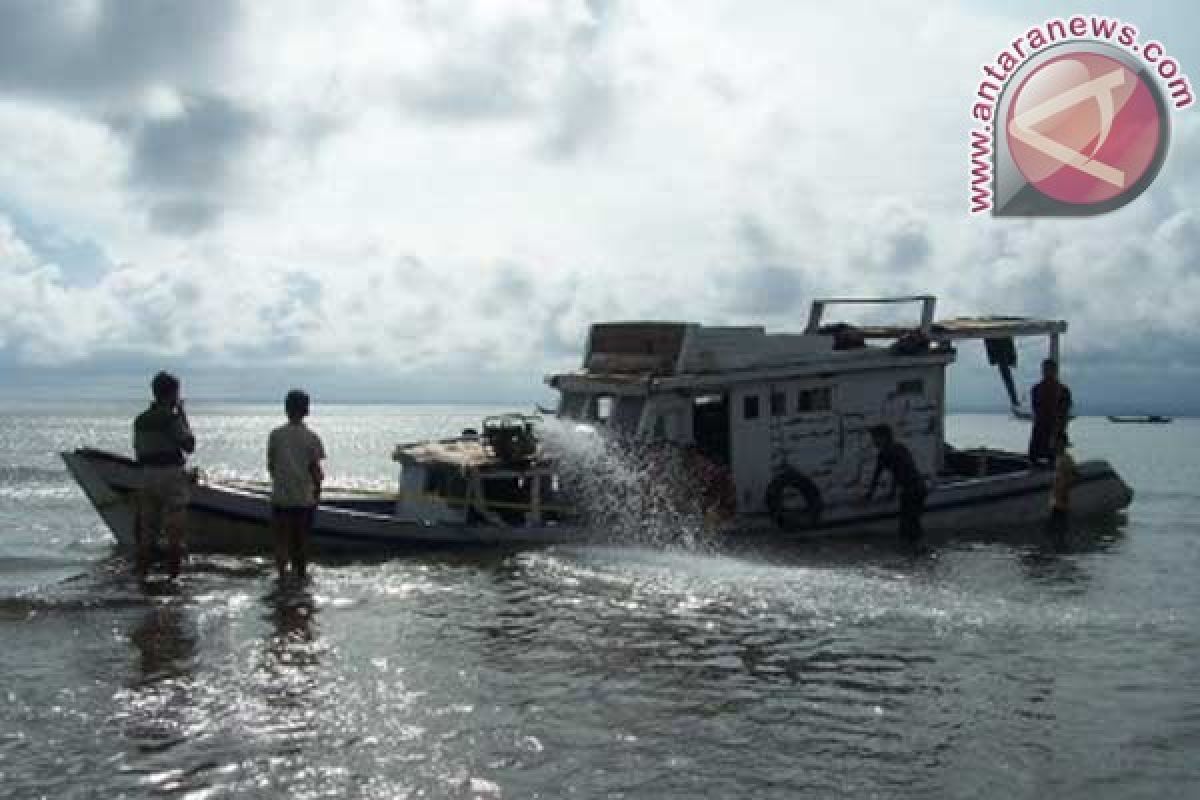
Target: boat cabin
{"x": 767, "y": 410}
{"x": 497, "y": 476}
{"x": 766, "y": 404}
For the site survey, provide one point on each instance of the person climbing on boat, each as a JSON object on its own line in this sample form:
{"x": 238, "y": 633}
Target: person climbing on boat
{"x": 294, "y": 456}
{"x": 1060, "y": 494}
{"x": 1051, "y": 402}
{"x": 162, "y": 439}
{"x": 906, "y": 478}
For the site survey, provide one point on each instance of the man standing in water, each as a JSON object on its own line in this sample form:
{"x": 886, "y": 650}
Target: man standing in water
{"x": 294, "y": 455}
{"x": 1060, "y": 495}
{"x": 897, "y": 459}
{"x": 1051, "y": 402}
{"x": 162, "y": 439}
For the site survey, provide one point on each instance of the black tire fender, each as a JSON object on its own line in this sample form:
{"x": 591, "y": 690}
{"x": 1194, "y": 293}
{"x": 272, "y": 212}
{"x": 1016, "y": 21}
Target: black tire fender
{"x": 786, "y": 518}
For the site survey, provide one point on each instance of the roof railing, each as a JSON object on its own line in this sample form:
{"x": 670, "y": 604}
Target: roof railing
{"x": 928, "y": 303}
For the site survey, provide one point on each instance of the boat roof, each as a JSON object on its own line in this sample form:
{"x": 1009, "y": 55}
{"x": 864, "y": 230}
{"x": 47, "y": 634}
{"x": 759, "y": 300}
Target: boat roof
{"x": 630, "y": 355}
{"x": 959, "y": 328}
{"x": 463, "y": 452}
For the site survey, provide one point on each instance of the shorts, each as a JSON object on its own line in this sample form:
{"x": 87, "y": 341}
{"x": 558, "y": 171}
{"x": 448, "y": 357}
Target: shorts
{"x": 165, "y": 490}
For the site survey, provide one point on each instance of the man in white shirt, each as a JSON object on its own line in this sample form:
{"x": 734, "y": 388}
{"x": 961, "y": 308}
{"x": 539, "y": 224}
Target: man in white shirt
{"x": 294, "y": 455}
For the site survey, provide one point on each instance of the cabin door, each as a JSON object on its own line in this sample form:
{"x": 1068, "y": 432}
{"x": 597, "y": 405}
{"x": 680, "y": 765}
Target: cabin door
{"x": 751, "y": 428}
{"x": 710, "y": 427}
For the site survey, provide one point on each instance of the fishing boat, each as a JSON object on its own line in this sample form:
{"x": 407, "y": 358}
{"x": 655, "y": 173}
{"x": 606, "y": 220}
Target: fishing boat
{"x": 1139, "y": 419}
{"x": 781, "y": 421}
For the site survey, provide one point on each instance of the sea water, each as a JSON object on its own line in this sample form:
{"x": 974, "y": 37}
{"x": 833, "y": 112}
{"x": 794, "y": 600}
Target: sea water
{"x": 993, "y": 666}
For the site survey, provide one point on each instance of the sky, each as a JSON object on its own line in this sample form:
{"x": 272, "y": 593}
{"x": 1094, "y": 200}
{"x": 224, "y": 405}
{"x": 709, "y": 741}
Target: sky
{"x": 431, "y": 201}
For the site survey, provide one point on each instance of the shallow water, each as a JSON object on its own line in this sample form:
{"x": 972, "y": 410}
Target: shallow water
{"x": 988, "y": 668}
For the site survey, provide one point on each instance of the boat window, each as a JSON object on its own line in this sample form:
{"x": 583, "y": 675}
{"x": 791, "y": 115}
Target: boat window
{"x": 778, "y": 403}
{"x": 604, "y": 407}
{"x": 750, "y": 406}
{"x": 809, "y": 400}
{"x": 628, "y": 413}
{"x": 573, "y": 405}
{"x": 915, "y": 386}
{"x": 446, "y": 481}
{"x": 507, "y": 496}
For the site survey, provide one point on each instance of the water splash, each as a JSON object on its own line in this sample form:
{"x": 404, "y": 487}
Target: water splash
{"x": 639, "y": 492}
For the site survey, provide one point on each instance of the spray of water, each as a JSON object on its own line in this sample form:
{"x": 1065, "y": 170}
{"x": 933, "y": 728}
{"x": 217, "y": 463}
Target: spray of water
{"x": 639, "y": 492}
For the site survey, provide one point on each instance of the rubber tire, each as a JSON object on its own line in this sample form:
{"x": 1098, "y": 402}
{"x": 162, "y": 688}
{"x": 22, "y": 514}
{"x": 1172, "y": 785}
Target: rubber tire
{"x": 813, "y": 503}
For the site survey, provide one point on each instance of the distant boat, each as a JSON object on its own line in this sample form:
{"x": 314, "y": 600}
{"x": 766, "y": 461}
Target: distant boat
{"x": 1139, "y": 419}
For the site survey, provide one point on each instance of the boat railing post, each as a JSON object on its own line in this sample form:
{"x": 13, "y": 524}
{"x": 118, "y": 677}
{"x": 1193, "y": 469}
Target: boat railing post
{"x": 814, "y": 316}
{"x": 1054, "y": 348}
{"x": 928, "y": 305}
{"x": 535, "y": 499}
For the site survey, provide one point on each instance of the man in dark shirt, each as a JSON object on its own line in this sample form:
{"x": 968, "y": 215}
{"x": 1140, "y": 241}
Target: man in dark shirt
{"x": 1051, "y": 403}
{"x": 162, "y": 439}
{"x": 897, "y": 459}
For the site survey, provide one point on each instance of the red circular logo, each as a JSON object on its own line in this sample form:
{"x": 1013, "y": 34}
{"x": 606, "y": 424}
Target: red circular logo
{"x": 1083, "y": 128}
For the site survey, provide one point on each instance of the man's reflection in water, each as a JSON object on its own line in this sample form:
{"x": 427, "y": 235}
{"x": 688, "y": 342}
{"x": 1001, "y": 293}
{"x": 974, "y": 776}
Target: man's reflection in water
{"x": 292, "y": 647}
{"x": 160, "y": 703}
{"x": 165, "y": 642}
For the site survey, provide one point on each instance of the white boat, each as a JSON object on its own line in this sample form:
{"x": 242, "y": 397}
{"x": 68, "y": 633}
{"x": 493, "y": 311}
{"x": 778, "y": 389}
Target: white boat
{"x": 783, "y": 418}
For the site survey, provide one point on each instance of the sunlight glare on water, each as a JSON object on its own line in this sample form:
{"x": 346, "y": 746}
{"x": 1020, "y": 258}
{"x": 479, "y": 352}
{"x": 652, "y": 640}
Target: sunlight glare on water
{"x": 991, "y": 667}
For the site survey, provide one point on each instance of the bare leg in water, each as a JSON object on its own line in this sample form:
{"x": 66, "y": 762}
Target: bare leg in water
{"x": 281, "y": 526}
{"x": 175, "y": 522}
{"x": 298, "y": 539}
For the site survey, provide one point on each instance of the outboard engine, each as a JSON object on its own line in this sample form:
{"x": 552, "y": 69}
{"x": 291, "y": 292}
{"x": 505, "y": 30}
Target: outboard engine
{"x": 510, "y": 438}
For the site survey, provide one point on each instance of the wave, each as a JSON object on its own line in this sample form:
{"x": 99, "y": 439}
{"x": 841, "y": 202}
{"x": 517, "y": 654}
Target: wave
{"x": 12, "y": 475}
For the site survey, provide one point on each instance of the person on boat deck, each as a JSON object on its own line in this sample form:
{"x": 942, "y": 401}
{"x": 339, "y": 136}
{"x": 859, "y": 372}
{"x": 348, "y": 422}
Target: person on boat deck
{"x": 1051, "y": 402}
{"x": 906, "y": 478}
{"x": 162, "y": 439}
{"x": 1060, "y": 494}
{"x": 294, "y": 455}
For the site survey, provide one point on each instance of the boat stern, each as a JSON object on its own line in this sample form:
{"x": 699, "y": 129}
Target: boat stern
{"x": 1099, "y": 489}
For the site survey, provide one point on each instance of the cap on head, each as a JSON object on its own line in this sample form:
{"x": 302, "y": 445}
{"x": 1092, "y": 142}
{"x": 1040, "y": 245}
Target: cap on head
{"x": 882, "y": 432}
{"x": 296, "y": 403}
{"x": 165, "y": 387}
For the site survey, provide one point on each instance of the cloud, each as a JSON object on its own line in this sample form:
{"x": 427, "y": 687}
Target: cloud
{"x": 542, "y": 65}
{"x": 184, "y": 216}
{"x": 472, "y": 184}
{"x": 767, "y": 284}
{"x": 185, "y": 160}
{"x": 105, "y": 49}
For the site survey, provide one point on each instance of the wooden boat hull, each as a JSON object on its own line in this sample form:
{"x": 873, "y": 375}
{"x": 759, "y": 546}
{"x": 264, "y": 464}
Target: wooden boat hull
{"x": 227, "y": 519}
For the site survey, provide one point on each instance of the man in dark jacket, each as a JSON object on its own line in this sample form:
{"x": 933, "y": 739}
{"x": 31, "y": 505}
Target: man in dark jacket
{"x": 1051, "y": 403}
{"x": 906, "y": 478}
{"x": 162, "y": 439}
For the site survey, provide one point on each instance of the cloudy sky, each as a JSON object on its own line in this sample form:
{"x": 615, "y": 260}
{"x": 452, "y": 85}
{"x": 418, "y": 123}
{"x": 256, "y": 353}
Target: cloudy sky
{"x": 431, "y": 201}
